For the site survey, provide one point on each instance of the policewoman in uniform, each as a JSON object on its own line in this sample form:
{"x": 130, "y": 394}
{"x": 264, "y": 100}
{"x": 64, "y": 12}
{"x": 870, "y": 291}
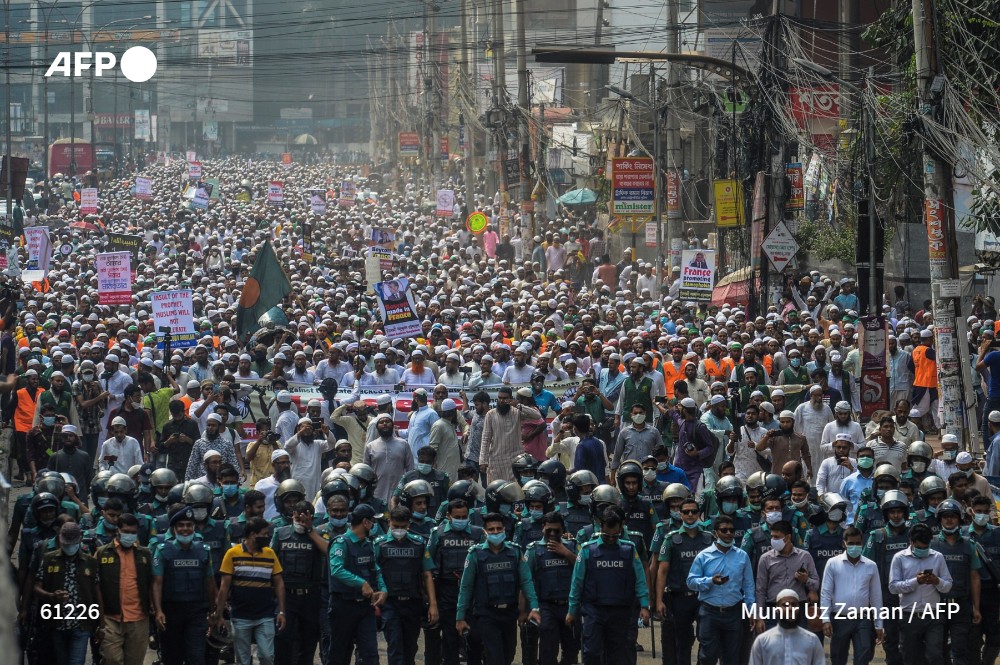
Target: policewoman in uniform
{"x": 494, "y": 575}
{"x": 302, "y": 553}
{"x": 356, "y": 589}
{"x": 678, "y": 605}
{"x": 447, "y": 550}
{"x": 551, "y": 562}
{"x": 608, "y": 580}
{"x": 406, "y": 569}
{"x": 183, "y": 592}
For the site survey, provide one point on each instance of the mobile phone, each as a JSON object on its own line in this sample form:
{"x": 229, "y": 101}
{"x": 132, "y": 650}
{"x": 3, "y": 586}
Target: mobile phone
{"x": 724, "y": 579}
{"x": 928, "y": 572}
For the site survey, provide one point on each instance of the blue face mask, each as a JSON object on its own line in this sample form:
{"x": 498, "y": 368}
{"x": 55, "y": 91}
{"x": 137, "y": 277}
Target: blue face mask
{"x": 729, "y": 507}
{"x": 931, "y": 510}
{"x": 423, "y": 469}
{"x": 184, "y": 540}
{"x": 920, "y": 552}
{"x": 128, "y": 539}
{"x": 70, "y": 550}
{"x": 459, "y": 524}
{"x": 722, "y": 542}
{"x": 338, "y": 521}
{"x": 536, "y": 514}
{"x": 101, "y": 500}
{"x": 496, "y": 538}
{"x": 144, "y": 487}
{"x": 950, "y": 531}
{"x": 691, "y": 527}
{"x": 662, "y": 466}
{"x": 108, "y": 526}
{"x": 526, "y": 479}
{"x": 48, "y": 421}
{"x": 796, "y": 362}
{"x": 854, "y": 551}
{"x": 419, "y": 514}
{"x": 230, "y": 489}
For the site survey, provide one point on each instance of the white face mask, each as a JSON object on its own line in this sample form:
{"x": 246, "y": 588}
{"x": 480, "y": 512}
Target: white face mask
{"x": 639, "y": 418}
{"x": 398, "y": 534}
{"x": 777, "y": 543}
{"x": 649, "y": 475}
{"x": 772, "y": 517}
{"x": 299, "y": 528}
{"x": 918, "y": 467}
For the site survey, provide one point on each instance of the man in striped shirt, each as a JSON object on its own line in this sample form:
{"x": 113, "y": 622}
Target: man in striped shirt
{"x": 253, "y": 586}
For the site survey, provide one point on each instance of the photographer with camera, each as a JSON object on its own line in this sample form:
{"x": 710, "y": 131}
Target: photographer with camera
{"x": 259, "y": 451}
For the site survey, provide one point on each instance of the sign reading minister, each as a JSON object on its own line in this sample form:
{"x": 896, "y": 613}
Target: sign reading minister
{"x": 633, "y": 183}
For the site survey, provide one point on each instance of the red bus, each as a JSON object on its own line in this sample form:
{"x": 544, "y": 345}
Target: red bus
{"x": 61, "y": 157}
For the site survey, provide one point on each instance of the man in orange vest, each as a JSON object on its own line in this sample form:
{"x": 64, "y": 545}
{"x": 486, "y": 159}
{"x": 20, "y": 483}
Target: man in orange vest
{"x": 23, "y": 407}
{"x": 673, "y": 369}
{"x": 715, "y": 367}
{"x": 923, "y": 364}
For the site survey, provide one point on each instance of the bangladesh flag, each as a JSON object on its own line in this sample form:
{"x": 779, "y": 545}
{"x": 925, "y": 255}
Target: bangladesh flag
{"x": 267, "y": 286}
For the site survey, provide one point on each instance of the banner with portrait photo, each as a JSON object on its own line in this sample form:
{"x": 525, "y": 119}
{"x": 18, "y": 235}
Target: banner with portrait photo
{"x": 697, "y": 275}
{"x": 39, "y": 253}
{"x": 399, "y": 311}
{"x": 383, "y": 238}
{"x": 317, "y": 201}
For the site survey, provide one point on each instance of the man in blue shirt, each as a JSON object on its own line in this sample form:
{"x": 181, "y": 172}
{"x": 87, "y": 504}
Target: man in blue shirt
{"x": 722, "y": 577}
{"x": 666, "y": 472}
{"x": 590, "y": 453}
{"x": 847, "y": 299}
{"x": 989, "y": 362}
{"x": 544, "y": 399}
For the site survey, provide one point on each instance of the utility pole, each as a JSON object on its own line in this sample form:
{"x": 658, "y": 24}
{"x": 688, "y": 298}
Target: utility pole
{"x": 499, "y": 86}
{"x": 469, "y": 145}
{"x": 942, "y": 244}
{"x": 524, "y": 108}
{"x": 674, "y": 218}
{"x": 774, "y": 160}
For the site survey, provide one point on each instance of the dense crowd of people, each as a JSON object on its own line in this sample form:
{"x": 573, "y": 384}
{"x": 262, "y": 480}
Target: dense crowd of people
{"x": 565, "y": 452}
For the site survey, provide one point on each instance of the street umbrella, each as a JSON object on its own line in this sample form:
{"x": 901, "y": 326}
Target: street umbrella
{"x": 87, "y": 226}
{"x": 305, "y": 139}
{"x": 578, "y": 197}
{"x": 732, "y": 289}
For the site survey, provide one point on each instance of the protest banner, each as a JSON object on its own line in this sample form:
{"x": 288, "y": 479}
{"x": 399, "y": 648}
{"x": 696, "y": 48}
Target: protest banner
{"x": 194, "y": 171}
{"x": 697, "y": 275}
{"x": 143, "y": 188}
{"x": 874, "y": 363}
{"x": 174, "y": 309}
{"x": 317, "y": 201}
{"x": 399, "y": 312}
{"x": 123, "y": 242}
{"x": 276, "y": 193}
{"x": 445, "y": 202}
{"x": 383, "y": 237}
{"x": 202, "y": 193}
{"x": 385, "y": 258}
{"x": 114, "y": 278}
{"x": 348, "y": 194}
{"x": 39, "y": 253}
{"x": 88, "y": 201}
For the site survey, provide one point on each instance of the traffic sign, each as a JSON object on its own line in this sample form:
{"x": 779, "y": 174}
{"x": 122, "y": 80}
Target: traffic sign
{"x": 477, "y": 222}
{"x": 780, "y": 247}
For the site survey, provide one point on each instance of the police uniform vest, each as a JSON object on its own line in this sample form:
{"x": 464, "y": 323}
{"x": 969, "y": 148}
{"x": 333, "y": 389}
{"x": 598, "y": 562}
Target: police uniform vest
{"x": 214, "y": 536}
{"x": 184, "y": 572}
{"x": 422, "y": 527}
{"x": 53, "y": 569}
{"x": 528, "y": 530}
{"x": 401, "y": 562}
{"x": 741, "y": 524}
{"x": 452, "y": 550}
{"x": 662, "y": 529}
{"x": 755, "y": 517}
{"x": 359, "y": 559}
{"x": 870, "y": 518}
{"x": 930, "y": 519}
{"x": 438, "y": 482}
{"x": 989, "y": 543}
{"x": 301, "y": 561}
{"x": 609, "y": 579}
{"x": 155, "y": 509}
{"x": 553, "y": 574}
{"x": 683, "y": 550}
{"x": 925, "y": 369}
{"x": 633, "y": 394}
{"x": 98, "y": 536}
{"x": 497, "y": 583}
{"x": 823, "y": 546}
{"x": 637, "y": 516}
{"x": 958, "y": 557}
{"x": 31, "y": 536}
{"x": 576, "y": 518}
{"x": 109, "y": 560}
{"x": 162, "y": 523}
{"x": 885, "y": 546}
{"x": 760, "y": 541}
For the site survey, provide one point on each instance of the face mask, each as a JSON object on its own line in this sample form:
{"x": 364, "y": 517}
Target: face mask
{"x": 675, "y": 514}
{"x": 662, "y": 466}
{"x": 398, "y": 534}
{"x": 949, "y": 454}
{"x": 866, "y": 462}
{"x": 419, "y": 514}
{"x": 649, "y": 475}
{"x": 639, "y": 418}
{"x": 48, "y": 421}
{"x": 920, "y": 552}
{"x": 184, "y": 540}
{"x": 230, "y": 489}
{"x": 854, "y": 551}
{"x": 950, "y": 531}
{"x": 200, "y": 514}
{"x": 724, "y": 542}
{"x": 87, "y": 376}
{"x": 423, "y": 469}
{"x": 880, "y": 494}
{"x": 691, "y": 527}
{"x": 918, "y": 467}
{"x": 585, "y": 500}
{"x": 980, "y": 519}
{"x": 128, "y": 539}
{"x": 162, "y": 498}
{"x": 299, "y": 528}
{"x": 71, "y": 550}
{"x": 772, "y": 517}
{"x": 800, "y": 504}
{"x": 931, "y": 510}
{"x": 338, "y": 521}
{"x": 754, "y": 506}
{"x": 536, "y": 514}
{"x": 101, "y": 500}
{"x": 262, "y": 542}
{"x": 777, "y": 543}
{"x": 836, "y": 515}
{"x": 897, "y": 523}
{"x": 459, "y": 524}
{"x": 729, "y": 507}
{"x": 496, "y": 538}
{"x": 796, "y": 362}
{"x": 526, "y": 479}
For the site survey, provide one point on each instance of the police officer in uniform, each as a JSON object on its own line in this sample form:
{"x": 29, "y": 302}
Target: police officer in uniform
{"x": 551, "y": 561}
{"x": 826, "y": 541}
{"x": 673, "y": 495}
{"x": 678, "y": 605}
{"x": 286, "y": 497}
{"x": 652, "y": 489}
{"x": 123, "y": 488}
{"x": 406, "y": 569}
{"x": 160, "y": 483}
{"x": 525, "y": 468}
{"x": 184, "y": 591}
{"x": 502, "y": 497}
{"x": 882, "y": 545}
{"x": 467, "y": 491}
{"x": 932, "y": 492}
{"x": 366, "y": 490}
{"x": 417, "y": 496}
{"x": 729, "y": 492}
{"x": 576, "y": 514}
{"x": 302, "y": 553}
{"x": 869, "y": 514}
{"x": 337, "y": 522}
{"x": 608, "y": 582}
{"x": 988, "y": 538}
{"x": 553, "y": 473}
{"x": 425, "y": 471}
{"x": 107, "y": 526}
{"x": 918, "y": 461}
{"x": 212, "y": 532}
{"x": 640, "y": 516}
{"x": 45, "y": 509}
{"x": 754, "y": 509}
{"x": 494, "y": 575}
{"x": 447, "y": 550}
{"x": 538, "y": 501}
{"x": 356, "y": 589}
{"x": 962, "y": 558}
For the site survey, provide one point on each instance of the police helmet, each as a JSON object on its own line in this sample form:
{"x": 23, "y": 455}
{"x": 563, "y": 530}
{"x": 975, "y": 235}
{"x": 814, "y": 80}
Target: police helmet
{"x": 886, "y": 470}
{"x": 197, "y": 494}
{"x": 675, "y": 491}
{"x": 288, "y": 488}
{"x": 950, "y": 506}
{"x": 414, "y": 490}
{"x": 328, "y": 473}
{"x": 340, "y": 485}
{"x": 523, "y": 462}
{"x": 121, "y": 486}
{"x": 99, "y": 486}
{"x": 163, "y": 478}
{"x": 552, "y": 473}
{"x": 536, "y": 490}
{"x": 756, "y": 481}
{"x": 134, "y": 470}
{"x": 466, "y": 490}
{"x": 220, "y": 637}
{"x": 729, "y": 487}
{"x": 51, "y": 482}
{"x": 628, "y": 468}
{"x": 604, "y": 496}
{"x": 70, "y": 481}
{"x": 501, "y": 493}
{"x": 774, "y": 486}
{"x": 894, "y": 499}
{"x": 366, "y": 475}
{"x": 919, "y": 449}
{"x": 832, "y": 500}
{"x": 577, "y": 481}
{"x": 41, "y": 501}
{"x": 176, "y": 494}
{"x": 931, "y": 485}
